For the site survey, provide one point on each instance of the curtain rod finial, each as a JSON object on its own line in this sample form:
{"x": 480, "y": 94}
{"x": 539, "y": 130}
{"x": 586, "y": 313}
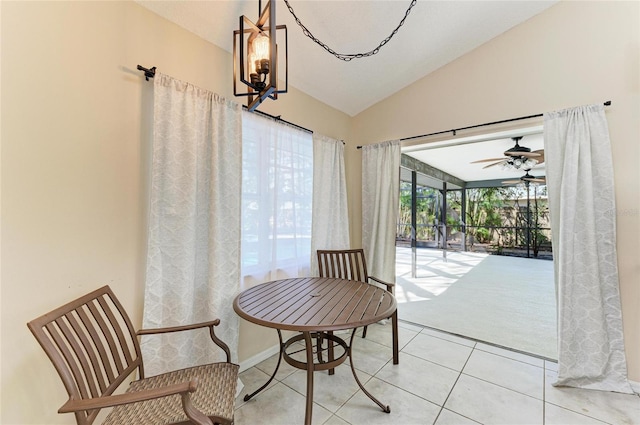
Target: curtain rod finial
{"x": 148, "y": 73}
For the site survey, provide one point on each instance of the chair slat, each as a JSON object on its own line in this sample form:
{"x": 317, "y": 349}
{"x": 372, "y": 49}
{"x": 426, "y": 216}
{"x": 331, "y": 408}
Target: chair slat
{"x": 134, "y": 354}
{"x": 83, "y": 351}
{"x": 113, "y": 348}
{"x": 81, "y": 390}
{"x": 83, "y": 332}
{"x": 98, "y": 344}
{"x": 123, "y": 342}
{"x": 348, "y": 264}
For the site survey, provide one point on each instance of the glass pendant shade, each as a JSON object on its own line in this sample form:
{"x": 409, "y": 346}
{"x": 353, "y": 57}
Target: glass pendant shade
{"x": 260, "y": 47}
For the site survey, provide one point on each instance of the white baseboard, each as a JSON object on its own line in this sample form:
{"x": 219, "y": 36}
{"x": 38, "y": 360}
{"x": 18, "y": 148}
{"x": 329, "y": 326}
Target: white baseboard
{"x": 254, "y": 360}
{"x": 635, "y": 386}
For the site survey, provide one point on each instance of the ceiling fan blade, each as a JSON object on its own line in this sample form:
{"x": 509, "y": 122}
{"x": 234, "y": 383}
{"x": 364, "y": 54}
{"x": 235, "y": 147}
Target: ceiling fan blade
{"x": 487, "y": 160}
{"x": 512, "y": 181}
{"x": 502, "y": 161}
{"x": 536, "y": 180}
{"x": 533, "y": 155}
{"x": 540, "y": 158}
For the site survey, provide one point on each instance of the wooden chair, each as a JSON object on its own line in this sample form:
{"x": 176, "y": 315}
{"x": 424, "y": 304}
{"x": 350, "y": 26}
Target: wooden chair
{"x": 93, "y": 346}
{"x": 350, "y": 264}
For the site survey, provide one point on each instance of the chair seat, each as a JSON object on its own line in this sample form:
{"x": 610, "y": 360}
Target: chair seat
{"x": 212, "y": 397}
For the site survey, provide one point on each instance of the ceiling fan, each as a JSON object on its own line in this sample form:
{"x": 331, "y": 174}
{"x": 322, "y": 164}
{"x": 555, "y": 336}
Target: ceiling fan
{"x": 516, "y": 157}
{"x": 527, "y": 179}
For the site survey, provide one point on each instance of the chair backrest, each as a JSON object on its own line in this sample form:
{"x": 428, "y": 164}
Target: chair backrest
{"x": 343, "y": 264}
{"x": 92, "y": 345}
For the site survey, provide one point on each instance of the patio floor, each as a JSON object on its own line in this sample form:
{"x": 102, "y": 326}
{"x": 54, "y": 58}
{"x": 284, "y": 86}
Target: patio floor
{"x": 504, "y": 301}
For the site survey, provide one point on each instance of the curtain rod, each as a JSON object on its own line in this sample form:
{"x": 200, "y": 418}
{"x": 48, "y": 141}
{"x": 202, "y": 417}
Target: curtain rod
{"x": 277, "y": 118}
{"x": 151, "y": 72}
{"x": 607, "y": 103}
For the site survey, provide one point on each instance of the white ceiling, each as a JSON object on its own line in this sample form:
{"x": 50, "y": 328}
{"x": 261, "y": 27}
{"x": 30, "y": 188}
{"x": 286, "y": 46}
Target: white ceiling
{"x": 434, "y": 33}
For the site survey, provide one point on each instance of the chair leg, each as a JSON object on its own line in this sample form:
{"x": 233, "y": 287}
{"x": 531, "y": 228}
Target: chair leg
{"x": 319, "y": 346}
{"x": 364, "y": 332}
{"x": 394, "y": 331}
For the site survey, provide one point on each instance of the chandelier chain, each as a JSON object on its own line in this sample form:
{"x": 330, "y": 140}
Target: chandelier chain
{"x": 349, "y": 56}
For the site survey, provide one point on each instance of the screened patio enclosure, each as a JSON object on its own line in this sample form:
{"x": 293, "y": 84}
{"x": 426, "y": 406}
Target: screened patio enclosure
{"x": 439, "y": 210}
{"x": 471, "y": 249}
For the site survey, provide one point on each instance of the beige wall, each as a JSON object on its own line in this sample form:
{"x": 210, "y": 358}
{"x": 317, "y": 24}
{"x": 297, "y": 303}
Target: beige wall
{"x": 573, "y": 54}
{"x": 75, "y": 134}
{"x": 75, "y": 131}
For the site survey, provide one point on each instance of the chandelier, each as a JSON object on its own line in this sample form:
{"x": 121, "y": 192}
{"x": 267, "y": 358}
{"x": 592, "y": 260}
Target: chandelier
{"x": 255, "y": 53}
{"x": 255, "y": 57}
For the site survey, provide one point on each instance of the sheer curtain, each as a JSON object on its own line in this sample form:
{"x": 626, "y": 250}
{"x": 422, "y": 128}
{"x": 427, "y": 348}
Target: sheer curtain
{"x": 330, "y": 217}
{"x": 277, "y": 186}
{"x": 582, "y": 209}
{"x": 193, "y": 258}
{"x": 380, "y": 192}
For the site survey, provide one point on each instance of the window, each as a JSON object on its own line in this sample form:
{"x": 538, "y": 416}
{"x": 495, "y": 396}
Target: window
{"x": 277, "y": 185}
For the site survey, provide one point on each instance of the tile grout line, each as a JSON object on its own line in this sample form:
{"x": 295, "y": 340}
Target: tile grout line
{"x": 454, "y": 385}
{"x": 544, "y": 394}
{"x": 476, "y": 341}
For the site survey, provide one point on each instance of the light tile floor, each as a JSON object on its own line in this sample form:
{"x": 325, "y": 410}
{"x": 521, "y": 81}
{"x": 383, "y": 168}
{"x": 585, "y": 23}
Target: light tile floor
{"x": 442, "y": 379}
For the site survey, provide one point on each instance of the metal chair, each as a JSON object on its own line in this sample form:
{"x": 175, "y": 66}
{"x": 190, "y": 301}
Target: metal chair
{"x": 350, "y": 264}
{"x": 93, "y": 346}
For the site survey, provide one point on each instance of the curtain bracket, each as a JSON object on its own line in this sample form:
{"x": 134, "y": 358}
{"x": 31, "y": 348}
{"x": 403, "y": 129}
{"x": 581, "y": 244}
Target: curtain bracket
{"x": 148, "y": 73}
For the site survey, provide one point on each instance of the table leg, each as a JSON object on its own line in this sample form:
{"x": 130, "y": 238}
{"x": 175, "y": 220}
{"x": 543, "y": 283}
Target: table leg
{"x": 309, "y": 406}
{"x": 248, "y": 397}
{"x": 384, "y": 408}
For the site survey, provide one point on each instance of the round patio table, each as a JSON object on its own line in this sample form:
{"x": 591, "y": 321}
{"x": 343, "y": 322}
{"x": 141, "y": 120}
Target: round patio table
{"x": 315, "y": 307}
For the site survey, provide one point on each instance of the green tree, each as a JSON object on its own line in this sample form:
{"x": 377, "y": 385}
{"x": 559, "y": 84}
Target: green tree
{"x": 483, "y": 214}
{"x": 426, "y": 208}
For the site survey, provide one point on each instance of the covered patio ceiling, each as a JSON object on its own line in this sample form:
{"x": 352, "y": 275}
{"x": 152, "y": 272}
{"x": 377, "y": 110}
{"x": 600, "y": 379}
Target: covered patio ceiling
{"x": 454, "y": 157}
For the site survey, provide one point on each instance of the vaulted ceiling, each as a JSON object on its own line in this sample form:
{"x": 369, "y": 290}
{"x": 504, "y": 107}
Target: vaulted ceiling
{"x": 434, "y": 34}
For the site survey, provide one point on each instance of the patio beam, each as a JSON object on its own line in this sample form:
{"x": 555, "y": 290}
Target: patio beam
{"x": 413, "y": 164}
{"x": 484, "y": 183}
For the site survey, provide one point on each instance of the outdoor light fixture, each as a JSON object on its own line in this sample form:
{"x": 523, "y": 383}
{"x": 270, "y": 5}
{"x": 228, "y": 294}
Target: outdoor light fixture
{"x": 255, "y": 57}
{"x": 519, "y": 162}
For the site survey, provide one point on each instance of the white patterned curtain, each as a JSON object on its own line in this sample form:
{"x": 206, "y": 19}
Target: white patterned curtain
{"x": 193, "y": 264}
{"x": 380, "y": 192}
{"x": 330, "y": 217}
{"x": 582, "y": 209}
{"x": 277, "y": 188}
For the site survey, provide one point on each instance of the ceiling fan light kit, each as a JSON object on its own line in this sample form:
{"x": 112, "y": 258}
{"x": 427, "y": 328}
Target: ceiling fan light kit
{"x": 519, "y": 162}
{"x": 516, "y": 158}
{"x": 527, "y": 179}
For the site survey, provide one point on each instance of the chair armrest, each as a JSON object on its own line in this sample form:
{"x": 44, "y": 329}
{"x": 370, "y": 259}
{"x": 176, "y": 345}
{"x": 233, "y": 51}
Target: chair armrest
{"x": 210, "y": 324}
{"x": 179, "y": 328}
{"x": 127, "y": 398}
{"x": 389, "y": 285}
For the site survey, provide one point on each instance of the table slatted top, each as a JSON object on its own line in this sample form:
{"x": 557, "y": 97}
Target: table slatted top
{"x": 314, "y": 304}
